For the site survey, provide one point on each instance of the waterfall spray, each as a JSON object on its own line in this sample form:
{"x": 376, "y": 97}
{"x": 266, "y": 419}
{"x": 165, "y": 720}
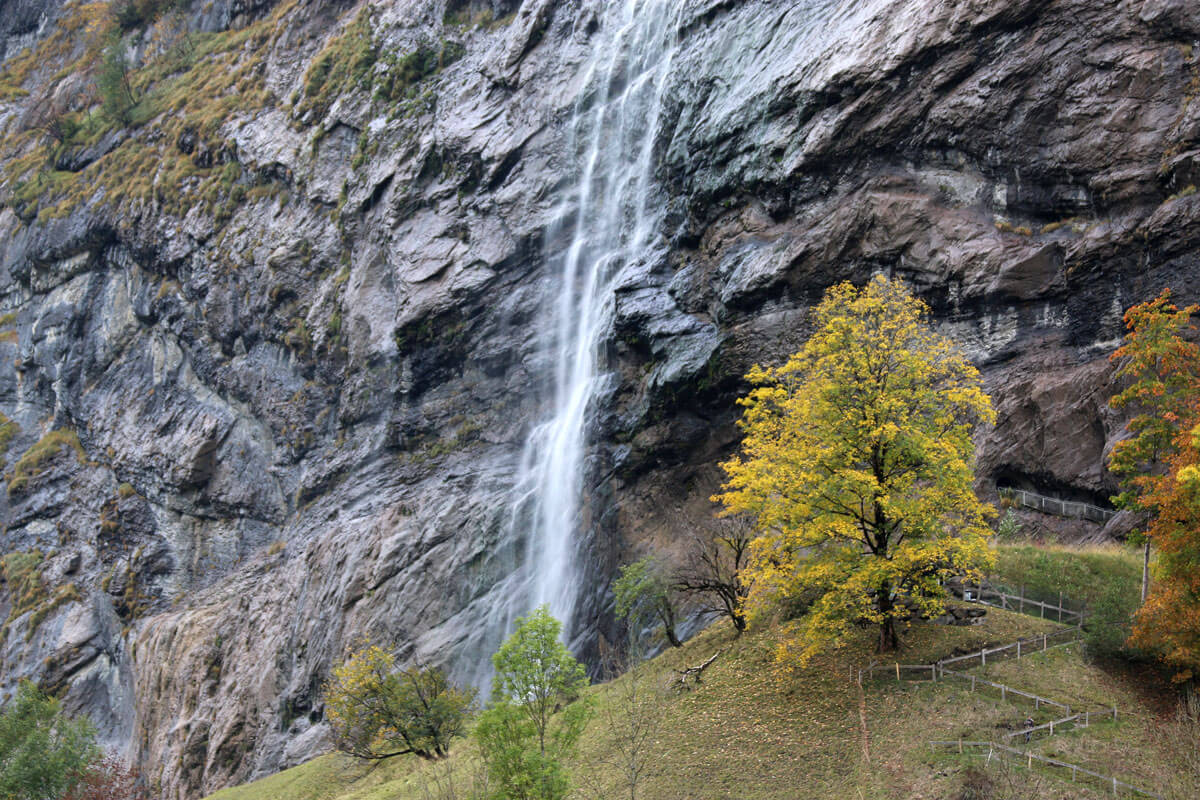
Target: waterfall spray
{"x": 612, "y": 220}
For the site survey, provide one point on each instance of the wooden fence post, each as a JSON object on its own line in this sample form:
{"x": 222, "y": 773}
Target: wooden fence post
{"x": 1060, "y": 607}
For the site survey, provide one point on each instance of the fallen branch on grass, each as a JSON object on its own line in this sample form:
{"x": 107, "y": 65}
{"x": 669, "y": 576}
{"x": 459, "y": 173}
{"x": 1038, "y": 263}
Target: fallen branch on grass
{"x": 694, "y": 673}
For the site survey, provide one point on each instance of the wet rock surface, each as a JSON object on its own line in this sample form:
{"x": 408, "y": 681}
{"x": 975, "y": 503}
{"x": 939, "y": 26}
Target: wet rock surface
{"x": 300, "y": 423}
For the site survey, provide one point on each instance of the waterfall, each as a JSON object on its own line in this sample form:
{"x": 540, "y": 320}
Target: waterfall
{"x": 611, "y": 219}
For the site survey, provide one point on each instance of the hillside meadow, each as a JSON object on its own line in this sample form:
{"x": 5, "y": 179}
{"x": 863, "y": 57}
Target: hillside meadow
{"x": 751, "y": 730}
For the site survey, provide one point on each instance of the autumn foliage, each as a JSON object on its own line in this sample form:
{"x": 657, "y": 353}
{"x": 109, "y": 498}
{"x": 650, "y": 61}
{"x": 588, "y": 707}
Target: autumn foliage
{"x": 110, "y": 778}
{"x": 1160, "y": 468}
{"x": 857, "y": 469}
{"x": 376, "y": 711}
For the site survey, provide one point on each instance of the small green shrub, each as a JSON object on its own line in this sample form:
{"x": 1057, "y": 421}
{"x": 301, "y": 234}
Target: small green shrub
{"x": 1009, "y": 526}
{"x": 112, "y": 81}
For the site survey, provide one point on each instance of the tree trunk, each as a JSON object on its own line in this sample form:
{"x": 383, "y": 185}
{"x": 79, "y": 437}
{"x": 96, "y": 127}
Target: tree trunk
{"x": 889, "y": 640}
{"x": 1146, "y": 571}
{"x": 666, "y": 613}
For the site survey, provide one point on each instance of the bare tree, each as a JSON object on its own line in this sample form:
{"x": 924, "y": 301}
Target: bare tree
{"x": 48, "y": 115}
{"x": 444, "y": 780}
{"x": 632, "y": 720}
{"x": 1180, "y": 737}
{"x": 713, "y": 576}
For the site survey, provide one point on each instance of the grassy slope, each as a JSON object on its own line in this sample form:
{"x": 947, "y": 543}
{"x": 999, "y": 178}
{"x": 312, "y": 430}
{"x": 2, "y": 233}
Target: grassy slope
{"x": 751, "y": 734}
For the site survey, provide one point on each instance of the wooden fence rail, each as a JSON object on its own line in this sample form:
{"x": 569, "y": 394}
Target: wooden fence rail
{"x": 869, "y": 671}
{"x": 1005, "y": 691}
{"x": 1080, "y": 720}
{"x": 995, "y": 749}
{"x": 990, "y": 596}
{"x": 1020, "y": 648}
{"x": 935, "y": 671}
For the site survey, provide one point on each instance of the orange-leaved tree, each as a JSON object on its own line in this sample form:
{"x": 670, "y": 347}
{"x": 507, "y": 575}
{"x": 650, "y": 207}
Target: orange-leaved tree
{"x": 857, "y": 468}
{"x": 1159, "y": 465}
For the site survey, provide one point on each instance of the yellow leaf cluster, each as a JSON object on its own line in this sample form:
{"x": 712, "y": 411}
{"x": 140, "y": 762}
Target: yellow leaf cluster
{"x": 857, "y": 468}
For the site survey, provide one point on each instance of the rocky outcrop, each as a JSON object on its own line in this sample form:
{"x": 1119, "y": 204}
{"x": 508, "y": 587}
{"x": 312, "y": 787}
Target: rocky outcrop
{"x": 270, "y": 361}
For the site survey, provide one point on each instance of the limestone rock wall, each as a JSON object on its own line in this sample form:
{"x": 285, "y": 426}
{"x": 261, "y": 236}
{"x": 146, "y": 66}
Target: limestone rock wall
{"x": 268, "y": 364}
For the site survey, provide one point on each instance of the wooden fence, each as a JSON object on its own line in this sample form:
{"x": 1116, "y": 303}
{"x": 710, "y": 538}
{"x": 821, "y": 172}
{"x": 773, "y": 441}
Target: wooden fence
{"x": 1059, "y": 508}
{"x": 997, "y": 750}
{"x": 1082, "y": 720}
{"x": 1021, "y": 647}
{"x": 937, "y": 670}
{"x": 1006, "y": 691}
{"x": 989, "y": 595}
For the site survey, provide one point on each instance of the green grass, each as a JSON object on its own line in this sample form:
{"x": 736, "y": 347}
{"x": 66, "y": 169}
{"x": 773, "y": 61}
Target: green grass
{"x": 749, "y": 733}
{"x": 1104, "y": 581}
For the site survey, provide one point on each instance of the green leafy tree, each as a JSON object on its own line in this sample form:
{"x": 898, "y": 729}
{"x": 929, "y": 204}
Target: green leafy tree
{"x": 44, "y": 754}
{"x": 112, "y": 80}
{"x": 857, "y": 469}
{"x": 642, "y": 596}
{"x": 535, "y": 718}
{"x": 377, "y": 712}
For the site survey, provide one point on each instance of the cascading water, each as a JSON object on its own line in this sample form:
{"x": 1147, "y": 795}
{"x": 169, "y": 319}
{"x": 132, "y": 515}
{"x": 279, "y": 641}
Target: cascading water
{"x": 612, "y": 220}
{"x": 609, "y": 227}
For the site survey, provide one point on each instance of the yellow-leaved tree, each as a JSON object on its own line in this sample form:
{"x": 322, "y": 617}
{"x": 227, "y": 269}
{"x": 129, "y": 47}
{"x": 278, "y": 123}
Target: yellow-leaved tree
{"x": 857, "y": 469}
{"x": 376, "y": 711}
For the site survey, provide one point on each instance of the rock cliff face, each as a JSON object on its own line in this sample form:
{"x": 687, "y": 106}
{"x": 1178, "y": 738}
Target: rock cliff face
{"x": 269, "y": 338}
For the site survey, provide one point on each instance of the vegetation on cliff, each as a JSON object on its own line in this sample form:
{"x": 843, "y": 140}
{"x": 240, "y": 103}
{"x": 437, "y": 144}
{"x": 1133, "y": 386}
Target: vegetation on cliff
{"x": 149, "y": 134}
